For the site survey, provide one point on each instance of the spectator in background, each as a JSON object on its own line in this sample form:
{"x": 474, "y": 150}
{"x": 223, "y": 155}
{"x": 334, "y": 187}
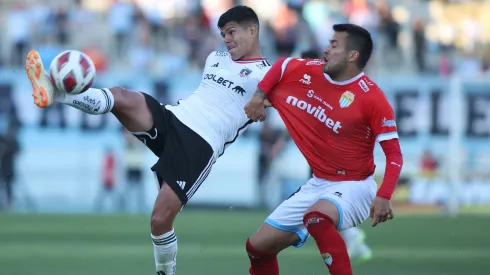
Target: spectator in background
{"x": 428, "y": 164}
{"x": 268, "y": 137}
{"x": 80, "y": 16}
{"x": 107, "y": 190}
{"x": 419, "y": 44}
{"x": 134, "y": 156}
{"x": 19, "y": 29}
{"x": 389, "y": 30}
{"x": 9, "y": 148}
{"x": 121, "y": 19}
{"x": 61, "y": 24}
{"x": 286, "y": 31}
{"x": 142, "y": 53}
{"x": 194, "y": 33}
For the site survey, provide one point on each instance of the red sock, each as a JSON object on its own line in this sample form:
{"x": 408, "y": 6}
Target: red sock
{"x": 262, "y": 263}
{"x": 329, "y": 242}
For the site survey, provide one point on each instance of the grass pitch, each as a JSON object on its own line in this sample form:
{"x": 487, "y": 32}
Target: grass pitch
{"x": 212, "y": 242}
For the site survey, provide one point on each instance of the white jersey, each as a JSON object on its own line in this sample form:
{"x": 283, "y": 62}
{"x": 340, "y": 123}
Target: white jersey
{"x": 215, "y": 110}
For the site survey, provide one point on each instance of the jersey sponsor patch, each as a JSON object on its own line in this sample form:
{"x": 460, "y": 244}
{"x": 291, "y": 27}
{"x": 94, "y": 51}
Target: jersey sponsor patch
{"x": 315, "y": 62}
{"x": 388, "y": 123}
{"x": 364, "y": 86}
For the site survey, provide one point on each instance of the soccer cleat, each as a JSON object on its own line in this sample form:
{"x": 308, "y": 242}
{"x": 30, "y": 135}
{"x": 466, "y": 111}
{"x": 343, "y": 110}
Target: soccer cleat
{"x": 43, "y": 90}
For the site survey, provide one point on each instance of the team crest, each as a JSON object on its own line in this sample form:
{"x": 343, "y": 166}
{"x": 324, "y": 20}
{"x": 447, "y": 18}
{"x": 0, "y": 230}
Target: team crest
{"x": 327, "y": 258}
{"x": 346, "y": 99}
{"x": 245, "y": 72}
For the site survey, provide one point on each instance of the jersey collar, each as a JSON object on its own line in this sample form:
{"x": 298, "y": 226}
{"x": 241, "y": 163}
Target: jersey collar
{"x": 249, "y": 60}
{"x": 349, "y": 81}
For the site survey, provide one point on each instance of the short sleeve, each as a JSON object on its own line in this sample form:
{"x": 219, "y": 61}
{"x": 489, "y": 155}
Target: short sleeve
{"x": 274, "y": 75}
{"x": 381, "y": 117}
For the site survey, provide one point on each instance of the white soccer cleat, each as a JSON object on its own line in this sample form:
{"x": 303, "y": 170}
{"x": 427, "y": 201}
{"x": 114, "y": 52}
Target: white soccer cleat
{"x": 43, "y": 90}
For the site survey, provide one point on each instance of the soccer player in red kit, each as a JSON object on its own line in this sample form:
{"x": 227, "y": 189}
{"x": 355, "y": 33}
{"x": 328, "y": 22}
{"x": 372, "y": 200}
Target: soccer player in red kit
{"x": 335, "y": 114}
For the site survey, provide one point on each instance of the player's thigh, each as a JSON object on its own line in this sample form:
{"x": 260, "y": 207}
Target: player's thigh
{"x": 273, "y": 240}
{"x": 288, "y": 216}
{"x": 132, "y": 109}
{"x": 155, "y": 135}
{"x": 351, "y": 200}
{"x": 185, "y": 162}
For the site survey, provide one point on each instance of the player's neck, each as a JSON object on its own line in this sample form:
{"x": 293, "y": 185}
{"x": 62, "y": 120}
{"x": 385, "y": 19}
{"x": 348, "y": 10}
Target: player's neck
{"x": 345, "y": 76}
{"x": 257, "y": 53}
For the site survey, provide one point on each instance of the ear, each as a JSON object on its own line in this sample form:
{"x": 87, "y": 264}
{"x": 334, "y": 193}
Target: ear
{"x": 352, "y": 56}
{"x": 254, "y": 29}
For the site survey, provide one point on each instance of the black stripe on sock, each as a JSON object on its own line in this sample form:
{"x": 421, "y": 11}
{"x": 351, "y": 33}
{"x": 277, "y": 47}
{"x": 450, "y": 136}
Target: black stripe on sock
{"x": 106, "y": 100}
{"x": 166, "y": 241}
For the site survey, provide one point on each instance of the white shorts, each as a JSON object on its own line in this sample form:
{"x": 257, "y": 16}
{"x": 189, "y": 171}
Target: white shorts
{"x": 352, "y": 198}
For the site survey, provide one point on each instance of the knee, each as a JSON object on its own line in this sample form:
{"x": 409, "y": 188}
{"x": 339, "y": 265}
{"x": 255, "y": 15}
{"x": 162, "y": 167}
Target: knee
{"x": 124, "y": 98}
{"x": 323, "y": 210}
{"x": 161, "y": 220}
{"x": 255, "y": 251}
{"x": 314, "y": 220}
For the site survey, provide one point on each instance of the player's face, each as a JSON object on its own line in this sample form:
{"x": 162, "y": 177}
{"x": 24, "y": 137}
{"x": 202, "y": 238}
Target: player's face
{"x": 336, "y": 55}
{"x": 239, "y": 39}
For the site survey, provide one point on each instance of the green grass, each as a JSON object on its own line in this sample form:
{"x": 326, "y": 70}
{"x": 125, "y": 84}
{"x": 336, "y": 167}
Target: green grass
{"x": 212, "y": 242}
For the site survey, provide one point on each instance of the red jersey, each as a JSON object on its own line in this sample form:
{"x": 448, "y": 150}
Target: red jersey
{"x": 334, "y": 124}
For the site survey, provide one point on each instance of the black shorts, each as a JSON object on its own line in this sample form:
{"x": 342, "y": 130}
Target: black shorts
{"x": 185, "y": 158}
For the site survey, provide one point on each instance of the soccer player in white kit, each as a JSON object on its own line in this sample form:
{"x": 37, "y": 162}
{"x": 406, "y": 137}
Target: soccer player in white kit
{"x": 207, "y": 121}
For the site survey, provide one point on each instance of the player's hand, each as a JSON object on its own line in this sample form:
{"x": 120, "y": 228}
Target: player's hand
{"x": 381, "y": 211}
{"x": 267, "y": 103}
{"x": 255, "y": 109}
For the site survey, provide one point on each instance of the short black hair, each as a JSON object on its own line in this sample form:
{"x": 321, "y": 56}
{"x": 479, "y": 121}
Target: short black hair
{"x": 239, "y": 14}
{"x": 358, "y": 39}
{"x": 310, "y": 54}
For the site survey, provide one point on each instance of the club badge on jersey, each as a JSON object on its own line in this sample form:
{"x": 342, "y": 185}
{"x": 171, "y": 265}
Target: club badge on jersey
{"x": 346, "y": 99}
{"x": 245, "y": 72}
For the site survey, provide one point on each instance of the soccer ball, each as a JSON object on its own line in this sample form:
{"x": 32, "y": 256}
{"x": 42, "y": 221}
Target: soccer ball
{"x": 72, "y": 72}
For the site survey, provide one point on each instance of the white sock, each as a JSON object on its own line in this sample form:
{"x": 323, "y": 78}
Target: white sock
{"x": 165, "y": 250}
{"x": 353, "y": 237}
{"x": 93, "y": 101}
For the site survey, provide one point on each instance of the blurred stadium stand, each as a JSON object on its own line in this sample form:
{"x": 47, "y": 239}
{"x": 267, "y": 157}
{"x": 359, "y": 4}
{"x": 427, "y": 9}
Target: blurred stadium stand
{"x": 431, "y": 59}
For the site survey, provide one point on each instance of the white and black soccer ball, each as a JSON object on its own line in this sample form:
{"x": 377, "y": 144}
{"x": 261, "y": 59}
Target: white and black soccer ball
{"x": 72, "y": 72}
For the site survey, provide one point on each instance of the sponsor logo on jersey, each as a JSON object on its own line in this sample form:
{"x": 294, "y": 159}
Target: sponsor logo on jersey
{"x": 219, "y": 80}
{"x": 221, "y": 53}
{"x": 239, "y": 90}
{"x": 245, "y": 72}
{"x": 306, "y": 79}
{"x": 226, "y": 83}
{"x": 315, "y": 62}
{"x": 215, "y": 65}
{"x": 364, "y": 86}
{"x": 388, "y": 122}
{"x": 346, "y": 99}
{"x": 316, "y": 111}
{"x": 311, "y": 94}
